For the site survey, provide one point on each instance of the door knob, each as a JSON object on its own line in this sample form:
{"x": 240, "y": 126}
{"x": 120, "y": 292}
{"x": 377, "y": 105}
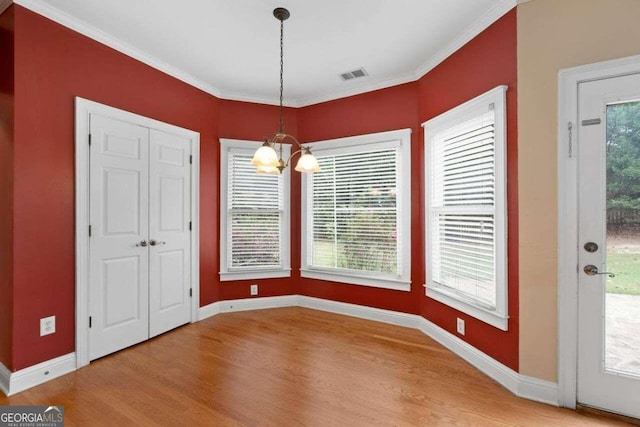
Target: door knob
{"x": 142, "y": 243}
{"x": 153, "y": 242}
{"x": 592, "y": 270}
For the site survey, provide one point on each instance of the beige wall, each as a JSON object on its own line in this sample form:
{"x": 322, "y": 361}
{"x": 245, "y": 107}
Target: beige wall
{"x": 552, "y": 35}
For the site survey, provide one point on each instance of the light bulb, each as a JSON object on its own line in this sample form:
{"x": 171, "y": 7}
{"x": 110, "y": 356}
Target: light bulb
{"x": 270, "y": 170}
{"x": 265, "y": 156}
{"x": 307, "y": 162}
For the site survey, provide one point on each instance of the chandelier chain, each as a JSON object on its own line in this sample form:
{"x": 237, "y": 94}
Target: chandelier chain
{"x": 281, "y": 75}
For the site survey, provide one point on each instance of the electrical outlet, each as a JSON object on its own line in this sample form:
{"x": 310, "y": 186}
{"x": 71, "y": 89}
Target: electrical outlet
{"x": 254, "y": 289}
{"x": 47, "y": 325}
{"x": 460, "y": 326}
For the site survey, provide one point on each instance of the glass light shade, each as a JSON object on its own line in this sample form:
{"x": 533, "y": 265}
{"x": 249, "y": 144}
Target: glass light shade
{"x": 271, "y": 170}
{"x": 265, "y": 156}
{"x": 307, "y": 162}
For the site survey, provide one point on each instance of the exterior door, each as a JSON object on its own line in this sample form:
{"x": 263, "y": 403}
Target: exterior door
{"x": 609, "y": 245}
{"x": 140, "y": 243}
{"x": 119, "y": 218}
{"x": 170, "y": 239}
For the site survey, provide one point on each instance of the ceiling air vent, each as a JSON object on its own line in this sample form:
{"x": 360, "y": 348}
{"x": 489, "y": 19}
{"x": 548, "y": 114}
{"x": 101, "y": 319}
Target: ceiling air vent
{"x": 350, "y": 75}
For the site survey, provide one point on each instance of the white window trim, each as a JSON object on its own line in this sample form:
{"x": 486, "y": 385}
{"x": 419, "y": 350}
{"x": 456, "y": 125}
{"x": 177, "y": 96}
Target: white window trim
{"x": 470, "y": 109}
{"x": 249, "y": 147}
{"x": 354, "y": 144}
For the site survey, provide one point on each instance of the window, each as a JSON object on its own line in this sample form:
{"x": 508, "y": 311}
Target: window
{"x": 466, "y": 210}
{"x": 356, "y": 217}
{"x": 254, "y": 216}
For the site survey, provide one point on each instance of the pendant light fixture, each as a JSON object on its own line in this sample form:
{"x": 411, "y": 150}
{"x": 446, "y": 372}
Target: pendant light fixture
{"x": 266, "y": 159}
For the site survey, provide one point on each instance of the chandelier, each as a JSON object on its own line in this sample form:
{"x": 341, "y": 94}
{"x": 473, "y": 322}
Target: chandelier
{"x": 266, "y": 159}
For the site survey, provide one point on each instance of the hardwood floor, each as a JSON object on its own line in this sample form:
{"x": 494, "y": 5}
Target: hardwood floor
{"x": 290, "y": 367}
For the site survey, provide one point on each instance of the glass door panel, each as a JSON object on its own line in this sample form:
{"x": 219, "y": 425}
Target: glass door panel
{"x": 622, "y": 323}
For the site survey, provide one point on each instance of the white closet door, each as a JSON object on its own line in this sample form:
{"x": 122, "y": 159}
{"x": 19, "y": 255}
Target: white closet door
{"x": 119, "y": 263}
{"x": 170, "y": 238}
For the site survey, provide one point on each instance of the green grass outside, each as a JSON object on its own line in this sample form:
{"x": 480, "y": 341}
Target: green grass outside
{"x": 324, "y": 253}
{"x": 626, "y": 267}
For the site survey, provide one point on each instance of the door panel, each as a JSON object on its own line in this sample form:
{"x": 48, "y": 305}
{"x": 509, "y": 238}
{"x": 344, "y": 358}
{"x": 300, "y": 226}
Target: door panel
{"x": 609, "y": 242}
{"x": 120, "y": 280}
{"x": 119, "y": 270}
{"x": 170, "y": 207}
{"x": 121, "y": 188}
{"x": 171, "y": 213}
{"x": 171, "y": 279}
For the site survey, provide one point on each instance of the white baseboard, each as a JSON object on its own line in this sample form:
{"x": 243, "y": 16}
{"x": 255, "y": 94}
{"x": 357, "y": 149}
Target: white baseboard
{"x": 234, "y": 305}
{"x": 538, "y": 390}
{"x": 502, "y": 374}
{"x": 209, "y": 310}
{"x": 361, "y": 311}
{"x": 37, "y": 374}
{"x": 520, "y": 385}
{"x": 5, "y": 379}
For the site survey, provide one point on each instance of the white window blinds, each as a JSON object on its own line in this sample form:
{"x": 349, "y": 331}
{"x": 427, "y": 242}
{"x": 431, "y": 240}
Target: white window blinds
{"x": 356, "y": 211}
{"x": 254, "y": 216}
{"x": 465, "y": 165}
{"x": 463, "y": 209}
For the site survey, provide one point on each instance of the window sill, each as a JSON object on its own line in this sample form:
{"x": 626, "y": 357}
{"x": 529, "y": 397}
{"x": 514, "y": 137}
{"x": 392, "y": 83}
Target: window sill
{"x": 491, "y": 317}
{"x": 227, "y": 276}
{"x": 352, "y": 279}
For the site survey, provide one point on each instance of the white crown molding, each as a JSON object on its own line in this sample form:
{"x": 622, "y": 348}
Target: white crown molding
{"x": 4, "y": 5}
{"x": 357, "y": 90}
{"x": 245, "y": 97}
{"x": 48, "y": 11}
{"x": 352, "y": 90}
{"x": 62, "y": 18}
{"x": 15, "y": 382}
{"x": 478, "y": 26}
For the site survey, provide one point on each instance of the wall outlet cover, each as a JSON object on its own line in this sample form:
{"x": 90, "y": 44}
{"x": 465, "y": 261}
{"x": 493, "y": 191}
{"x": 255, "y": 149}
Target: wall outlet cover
{"x": 254, "y": 289}
{"x": 460, "y": 326}
{"x": 47, "y": 325}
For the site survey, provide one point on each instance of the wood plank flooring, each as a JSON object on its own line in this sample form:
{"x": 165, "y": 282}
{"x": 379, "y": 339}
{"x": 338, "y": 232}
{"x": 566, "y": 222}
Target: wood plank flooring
{"x": 290, "y": 367}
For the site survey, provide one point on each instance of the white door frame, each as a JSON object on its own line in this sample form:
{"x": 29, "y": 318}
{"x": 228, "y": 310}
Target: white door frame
{"x": 568, "y": 81}
{"x": 84, "y": 108}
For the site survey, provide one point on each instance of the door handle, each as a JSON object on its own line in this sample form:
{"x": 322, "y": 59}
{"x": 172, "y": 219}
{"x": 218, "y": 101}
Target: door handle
{"x": 592, "y": 270}
{"x": 142, "y": 243}
{"x": 153, "y": 242}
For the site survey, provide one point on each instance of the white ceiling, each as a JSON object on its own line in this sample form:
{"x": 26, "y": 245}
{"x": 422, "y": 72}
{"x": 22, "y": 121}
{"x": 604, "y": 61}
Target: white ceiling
{"x": 230, "y": 48}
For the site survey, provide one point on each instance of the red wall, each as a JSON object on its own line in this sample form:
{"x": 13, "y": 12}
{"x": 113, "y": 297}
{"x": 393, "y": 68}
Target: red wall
{"x": 487, "y": 61}
{"x": 53, "y": 65}
{"x": 255, "y": 122}
{"x": 6, "y": 185}
{"x": 378, "y": 111}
